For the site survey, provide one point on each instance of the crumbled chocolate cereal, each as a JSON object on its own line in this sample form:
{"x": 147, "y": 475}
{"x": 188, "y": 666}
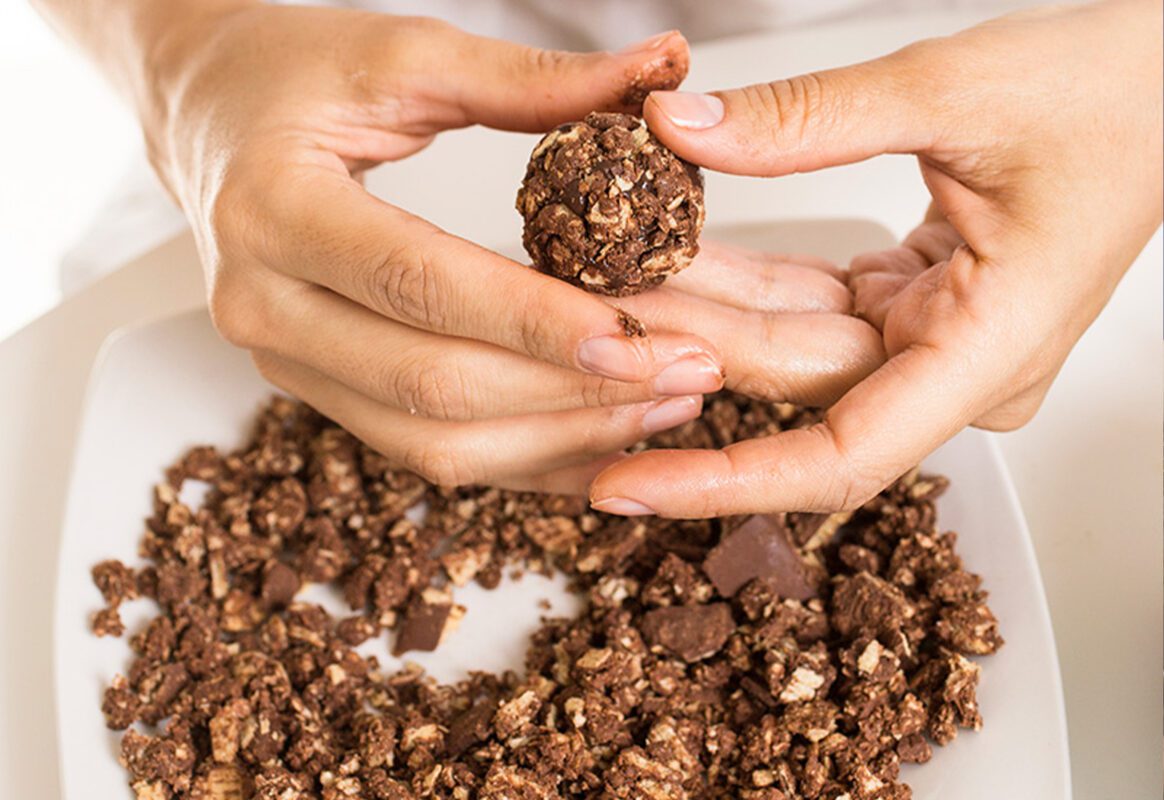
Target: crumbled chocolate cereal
{"x": 691, "y": 632}
{"x": 631, "y": 327}
{"x": 608, "y": 207}
{"x": 688, "y": 675}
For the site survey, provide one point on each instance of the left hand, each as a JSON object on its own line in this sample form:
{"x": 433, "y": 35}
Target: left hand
{"x": 1039, "y": 137}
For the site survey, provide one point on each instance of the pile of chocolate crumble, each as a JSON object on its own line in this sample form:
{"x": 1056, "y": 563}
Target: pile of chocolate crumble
{"x": 765, "y": 658}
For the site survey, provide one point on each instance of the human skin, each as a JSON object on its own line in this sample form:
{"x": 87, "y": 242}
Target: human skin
{"x": 1039, "y": 136}
{"x": 455, "y": 362}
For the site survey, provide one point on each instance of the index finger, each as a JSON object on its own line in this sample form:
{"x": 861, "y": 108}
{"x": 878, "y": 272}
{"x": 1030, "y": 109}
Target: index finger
{"x": 326, "y": 230}
{"x": 878, "y": 431}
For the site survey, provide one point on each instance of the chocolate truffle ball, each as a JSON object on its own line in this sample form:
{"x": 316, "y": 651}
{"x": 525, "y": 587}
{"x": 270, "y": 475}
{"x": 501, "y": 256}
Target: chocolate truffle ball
{"x": 608, "y": 207}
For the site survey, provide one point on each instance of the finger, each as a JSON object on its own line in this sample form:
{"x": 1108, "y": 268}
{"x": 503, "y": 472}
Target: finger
{"x": 751, "y": 280}
{"x": 878, "y": 431}
{"x": 810, "y": 358}
{"x": 804, "y": 123}
{"x": 333, "y": 234}
{"x": 457, "y": 453}
{"x": 925, "y": 246}
{"x": 568, "y": 480}
{"x": 451, "y": 378}
{"x": 874, "y": 293}
{"x": 876, "y": 279}
{"x": 467, "y": 79}
{"x": 523, "y": 88}
{"x": 902, "y": 260}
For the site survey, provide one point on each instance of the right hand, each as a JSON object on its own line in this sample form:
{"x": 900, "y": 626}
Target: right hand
{"x": 455, "y": 362}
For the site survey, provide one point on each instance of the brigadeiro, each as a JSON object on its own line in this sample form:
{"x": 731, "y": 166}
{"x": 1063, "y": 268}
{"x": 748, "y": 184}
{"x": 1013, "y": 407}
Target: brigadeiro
{"x": 608, "y": 207}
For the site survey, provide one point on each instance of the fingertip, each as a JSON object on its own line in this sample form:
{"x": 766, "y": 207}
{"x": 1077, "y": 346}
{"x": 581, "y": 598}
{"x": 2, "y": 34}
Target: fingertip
{"x": 668, "y": 483}
{"x": 693, "y": 125}
{"x": 661, "y": 66}
{"x": 688, "y": 111}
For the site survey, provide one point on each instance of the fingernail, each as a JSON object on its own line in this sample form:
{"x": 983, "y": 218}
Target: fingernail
{"x": 693, "y": 375}
{"x": 690, "y": 110}
{"x": 646, "y": 45}
{"x": 622, "y": 506}
{"x": 669, "y": 413}
{"x": 612, "y": 356}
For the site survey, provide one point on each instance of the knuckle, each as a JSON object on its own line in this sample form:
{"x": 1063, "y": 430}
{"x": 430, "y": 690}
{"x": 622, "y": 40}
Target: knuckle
{"x": 849, "y": 484}
{"x": 441, "y": 464}
{"x": 422, "y": 26}
{"x": 855, "y": 495}
{"x": 231, "y": 214}
{"x": 259, "y": 194}
{"x": 234, "y": 313}
{"x": 595, "y": 439}
{"x": 1011, "y": 416}
{"x": 794, "y": 103}
{"x": 404, "y": 280}
{"x": 438, "y": 391}
{"x": 395, "y": 47}
{"x": 598, "y": 391}
{"x": 536, "y": 326}
{"x": 267, "y": 367}
{"x": 541, "y": 61}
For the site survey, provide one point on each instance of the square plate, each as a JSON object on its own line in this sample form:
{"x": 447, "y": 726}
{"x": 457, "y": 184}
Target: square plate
{"x": 162, "y": 387}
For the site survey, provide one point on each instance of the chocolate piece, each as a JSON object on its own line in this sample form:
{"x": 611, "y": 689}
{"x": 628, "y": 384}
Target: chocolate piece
{"x": 471, "y": 727}
{"x": 866, "y": 604}
{"x": 759, "y": 548}
{"x": 691, "y": 632}
{"x": 280, "y": 584}
{"x": 608, "y": 207}
{"x": 425, "y": 623}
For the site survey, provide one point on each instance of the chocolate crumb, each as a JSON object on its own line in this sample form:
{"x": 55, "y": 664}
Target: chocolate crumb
{"x": 631, "y": 327}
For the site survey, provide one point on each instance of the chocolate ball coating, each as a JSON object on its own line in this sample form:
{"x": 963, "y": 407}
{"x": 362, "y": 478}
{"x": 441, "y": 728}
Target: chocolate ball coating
{"x": 608, "y": 207}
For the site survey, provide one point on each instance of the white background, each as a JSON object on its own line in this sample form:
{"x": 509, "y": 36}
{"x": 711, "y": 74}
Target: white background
{"x": 64, "y": 140}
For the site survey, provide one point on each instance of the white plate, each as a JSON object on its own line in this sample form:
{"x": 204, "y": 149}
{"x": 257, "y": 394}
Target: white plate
{"x": 162, "y": 387}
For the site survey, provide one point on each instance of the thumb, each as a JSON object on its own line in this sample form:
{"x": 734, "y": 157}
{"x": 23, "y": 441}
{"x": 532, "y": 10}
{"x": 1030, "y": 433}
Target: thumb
{"x": 800, "y": 124}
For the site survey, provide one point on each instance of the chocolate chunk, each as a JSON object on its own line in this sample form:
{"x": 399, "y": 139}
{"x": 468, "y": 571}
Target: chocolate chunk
{"x": 471, "y": 727}
{"x": 691, "y": 632}
{"x": 608, "y": 207}
{"x": 865, "y": 603}
{"x": 759, "y": 548}
{"x": 280, "y": 584}
{"x": 423, "y": 626}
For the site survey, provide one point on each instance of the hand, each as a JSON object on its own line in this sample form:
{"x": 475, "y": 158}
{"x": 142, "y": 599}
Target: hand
{"x": 1039, "y": 137}
{"x": 454, "y": 361}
